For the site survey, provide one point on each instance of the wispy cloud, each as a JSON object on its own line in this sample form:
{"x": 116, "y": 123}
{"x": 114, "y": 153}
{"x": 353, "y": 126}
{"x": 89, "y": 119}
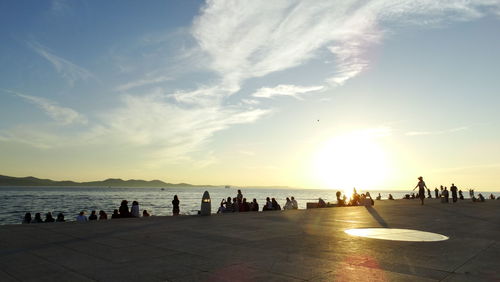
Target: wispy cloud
{"x": 286, "y": 90}
{"x": 59, "y": 7}
{"x": 62, "y": 115}
{"x": 437, "y": 132}
{"x": 248, "y": 39}
{"x": 142, "y": 82}
{"x": 173, "y": 131}
{"x": 70, "y": 71}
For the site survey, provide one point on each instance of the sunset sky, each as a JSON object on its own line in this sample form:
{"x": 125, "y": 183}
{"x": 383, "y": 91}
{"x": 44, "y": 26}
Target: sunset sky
{"x": 312, "y": 94}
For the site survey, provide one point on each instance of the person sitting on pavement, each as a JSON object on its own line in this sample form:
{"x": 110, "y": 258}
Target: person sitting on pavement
{"x": 115, "y": 214}
{"x": 145, "y": 213}
{"x": 288, "y": 204}
{"x": 38, "y": 218}
{"x": 27, "y": 218}
{"x": 81, "y": 217}
{"x": 275, "y": 204}
{"x": 321, "y": 203}
{"x": 92, "y": 216}
{"x": 134, "y": 210}
{"x": 245, "y": 207}
{"x": 49, "y": 218}
{"x": 124, "y": 212}
{"x": 268, "y": 206}
{"x": 221, "y": 209}
{"x": 60, "y": 217}
{"x": 102, "y": 215}
{"x": 294, "y": 203}
{"x": 254, "y": 205}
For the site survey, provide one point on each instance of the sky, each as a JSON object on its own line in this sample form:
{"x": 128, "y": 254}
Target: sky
{"x": 309, "y": 94}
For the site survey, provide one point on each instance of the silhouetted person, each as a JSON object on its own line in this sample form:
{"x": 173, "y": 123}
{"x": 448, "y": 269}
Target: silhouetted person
{"x": 294, "y": 203}
{"x": 492, "y": 197}
{"x": 134, "y": 210}
{"x": 239, "y": 196}
{"x": 340, "y": 202}
{"x": 145, "y": 213}
{"x": 321, "y": 203}
{"x": 60, "y": 217}
{"x": 124, "y": 212}
{"x": 275, "y": 204}
{"x": 268, "y": 206}
{"x": 446, "y": 195}
{"x": 93, "y": 215}
{"x": 460, "y": 195}
{"x": 81, "y": 217}
{"x": 222, "y": 208}
{"x": 254, "y": 206}
{"x": 244, "y": 206}
{"x": 115, "y": 214}
{"x": 103, "y": 215}
{"x": 175, "y": 205}
{"x": 390, "y": 197}
{"x": 236, "y": 205}
{"x": 436, "y": 193}
{"x": 421, "y": 189}
{"x": 429, "y": 193}
{"x": 27, "y": 218}
{"x": 49, "y": 218}
{"x": 229, "y": 205}
{"x": 379, "y": 197}
{"x": 288, "y": 204}
{"x": 480, "y": 197}
{"x": 38, "y": 218}
{"x": 454, "y": 191}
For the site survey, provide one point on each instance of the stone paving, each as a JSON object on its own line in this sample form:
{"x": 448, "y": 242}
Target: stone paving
{"x": 302, "y": 245}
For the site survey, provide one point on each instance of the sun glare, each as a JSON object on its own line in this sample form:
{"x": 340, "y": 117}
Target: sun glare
{"x": 352, "y": 160}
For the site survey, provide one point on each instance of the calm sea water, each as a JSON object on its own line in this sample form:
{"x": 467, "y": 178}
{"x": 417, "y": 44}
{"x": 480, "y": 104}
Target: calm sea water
{"x": 16, "y": 201}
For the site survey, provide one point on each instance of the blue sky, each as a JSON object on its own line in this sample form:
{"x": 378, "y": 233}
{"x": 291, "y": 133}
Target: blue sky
{"x": 252, "y": 93}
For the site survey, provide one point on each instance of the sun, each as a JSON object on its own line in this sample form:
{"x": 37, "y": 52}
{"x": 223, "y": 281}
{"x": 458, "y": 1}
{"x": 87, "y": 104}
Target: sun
{"x": 351, "y": 160}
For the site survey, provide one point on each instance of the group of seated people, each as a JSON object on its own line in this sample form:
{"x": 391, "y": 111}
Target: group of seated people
{"x": 38, "y": 218}
{"x": 240, "y": 204}
{"x": 363, "y": 199}
{"x": 122, "y": 212}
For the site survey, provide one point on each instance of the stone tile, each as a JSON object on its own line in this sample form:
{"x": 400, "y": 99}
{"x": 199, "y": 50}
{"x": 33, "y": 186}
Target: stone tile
{"x": 26, "y": 267}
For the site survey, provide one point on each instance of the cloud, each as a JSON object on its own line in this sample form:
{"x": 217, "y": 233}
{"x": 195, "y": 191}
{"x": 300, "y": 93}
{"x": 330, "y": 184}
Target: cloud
{"x": 286, "y": 90}
{"x": 70, "y": 71}
{"x": 60, "y": 7}
{"x": 438, "y": 132}
{"x": 142, "y": 82}
{"x": 172, "y": 131}
{"x": 247, "y": 39}
{"x": 62, "y": 115}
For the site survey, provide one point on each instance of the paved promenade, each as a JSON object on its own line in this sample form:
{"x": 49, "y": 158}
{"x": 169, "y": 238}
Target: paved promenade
{"x": 272, "y": 246}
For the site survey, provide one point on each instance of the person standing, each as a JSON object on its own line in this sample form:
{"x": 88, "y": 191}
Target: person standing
{"x": 175, "y": 205}
{"x": 446, "y": 195}
{"x": 436, "y": 193}
{"x": 421, "y": 189}
{"x": 454, "y": 191}
{"x": 239, "y": 197}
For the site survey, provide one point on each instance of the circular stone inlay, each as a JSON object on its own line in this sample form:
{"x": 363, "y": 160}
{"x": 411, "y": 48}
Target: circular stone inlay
{"x": 396, "y": 234}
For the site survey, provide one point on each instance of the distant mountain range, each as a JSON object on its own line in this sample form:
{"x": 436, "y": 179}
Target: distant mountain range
{"x": 110, "y": 182}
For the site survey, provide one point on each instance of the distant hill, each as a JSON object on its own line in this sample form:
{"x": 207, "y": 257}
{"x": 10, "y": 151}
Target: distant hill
{"x": 111, "y": 182}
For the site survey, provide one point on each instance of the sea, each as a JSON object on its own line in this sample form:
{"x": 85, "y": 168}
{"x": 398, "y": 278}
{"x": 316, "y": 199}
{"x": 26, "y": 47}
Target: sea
{"x": 16, "y": 201}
